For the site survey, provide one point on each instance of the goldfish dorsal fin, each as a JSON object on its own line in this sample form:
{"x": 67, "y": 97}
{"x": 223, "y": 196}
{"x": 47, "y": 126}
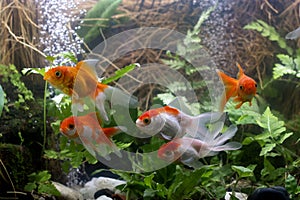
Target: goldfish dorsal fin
{"x": 241, "y": 71}
{"x": 180, "y": 104}
{"x": 89, "y": 66}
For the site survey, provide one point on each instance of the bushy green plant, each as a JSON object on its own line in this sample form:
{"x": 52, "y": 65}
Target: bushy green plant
{"x": 289, "y": 63}
{"x": 10, "y": 75}
{"x": 40, "y": 182}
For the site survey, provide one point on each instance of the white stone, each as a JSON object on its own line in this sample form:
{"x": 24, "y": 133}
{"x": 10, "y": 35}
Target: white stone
{"x": 240, "y": 196}
{"x": 67, "y": 193}
{"x": 91, "y": 187}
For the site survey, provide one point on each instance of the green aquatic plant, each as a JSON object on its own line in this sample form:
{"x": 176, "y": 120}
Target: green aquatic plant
{"x": 270, "y": 134}
{"x": 40, "y": 182}
{"x": 11, "y": 75}
{"x": 269, "y": 31}
{"x": 289, "y": 63}
{"x": 176, "y": 182}
{"x": 190, "y": 49}
{"x": 96, "y": 18}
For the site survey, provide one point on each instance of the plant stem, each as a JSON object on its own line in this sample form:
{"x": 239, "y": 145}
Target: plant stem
{"x": 45, "y": 116}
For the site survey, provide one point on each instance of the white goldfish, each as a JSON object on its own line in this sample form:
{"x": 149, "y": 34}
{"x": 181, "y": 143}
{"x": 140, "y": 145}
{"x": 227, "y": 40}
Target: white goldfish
{"x": 189, "y": 150}
{"x": 172, "y": 123}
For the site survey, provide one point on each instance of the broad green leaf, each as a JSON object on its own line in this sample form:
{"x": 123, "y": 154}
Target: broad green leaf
{"x": 148, "y": 180}
{"x": 29, "y": 187}
{"x": 267, "y": 148}
{"x": 48, "y": 188}
{"x": 244, "y": 171}
{"x": 248, "y": 140}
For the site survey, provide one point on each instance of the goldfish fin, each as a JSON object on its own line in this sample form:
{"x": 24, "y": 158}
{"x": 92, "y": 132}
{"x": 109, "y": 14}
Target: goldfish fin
{"x": 191, "y": 162}
{"x": 198, "y": 128}
{"x": 100, "y": 104}
{"x": 293, "y": 35}
{"x": 88, "y": 65}
{"x": 77, "y": 105}
{"x": 118, "y": 97}
{"x": 97, "y": 143}
{"x": 230, "y": 146}
{"x": 221, "y": 139}
{"x": 181, "y": 105}
{"x": 241, "y": 71}
{"x": 217, "y": 144}
{"x": 112, "y": 131}
{"x": 230, "y": 85}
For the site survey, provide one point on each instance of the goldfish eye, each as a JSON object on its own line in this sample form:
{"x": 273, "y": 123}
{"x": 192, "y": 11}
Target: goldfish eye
{"x": 255, "y": 85}
{"x": 71, "y": 126}
{"x": 147, "y": 121}
{"x": 58, "y": 74}
{"x": 241, "y": 87}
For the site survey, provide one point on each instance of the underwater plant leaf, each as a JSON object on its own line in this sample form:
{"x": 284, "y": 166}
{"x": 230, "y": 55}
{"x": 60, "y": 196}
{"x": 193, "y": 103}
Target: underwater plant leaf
{"x": 268, "y": 31}
{"x": 267, "y": 148}
{"x": 244, "y": 171}
{"x": 291, "y": 185}
{"x": 27, "y": 71}
{"x": 119, "y": 73}
{"x": 1, "y": 99}
{"x": 280, "y": 70}
{"x": 284, "y": 137}
{"x": 97, "y": 17}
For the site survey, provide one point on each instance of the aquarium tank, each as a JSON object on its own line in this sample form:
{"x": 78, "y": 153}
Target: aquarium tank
{"x": 148, "y": 99}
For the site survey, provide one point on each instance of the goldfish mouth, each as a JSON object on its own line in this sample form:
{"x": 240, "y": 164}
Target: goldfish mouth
{"x": 139, "y": 123}
{"x": 46, "y": 77}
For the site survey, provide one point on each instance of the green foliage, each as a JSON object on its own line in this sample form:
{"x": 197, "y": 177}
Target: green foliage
{"x": 119, "y": 73}
{"x": 2, "y": 99}
{"x": 288, "y": 65}
{"x": 11, "y": 75}
{"x": 40, "y": 182}
{"x": 274, "y": 134}
{"x": 176, "y": 182}
{"x": 268, "y": 31}
{"x": 189, "y": 49}
{"x": 98, "y": 17}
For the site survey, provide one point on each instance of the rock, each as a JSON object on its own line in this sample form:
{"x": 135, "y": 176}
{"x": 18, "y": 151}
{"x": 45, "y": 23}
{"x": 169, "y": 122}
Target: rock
{"x": 274, "y": 193}
{"x": 67, "y": 193}
{"x": 96, "y": 184}
{"x": 103, "y": 197}
{"x": 238, "y": 195}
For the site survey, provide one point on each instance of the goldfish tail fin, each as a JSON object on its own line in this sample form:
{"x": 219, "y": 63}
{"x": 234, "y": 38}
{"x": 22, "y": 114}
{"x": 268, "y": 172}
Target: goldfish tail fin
{"x": 199, "y": 129}
{"x": 217, "y": 144}
{"x": 230, "y": 85}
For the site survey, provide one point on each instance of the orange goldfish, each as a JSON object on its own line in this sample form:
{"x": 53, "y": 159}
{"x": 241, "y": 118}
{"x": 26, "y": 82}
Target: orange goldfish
{"x": 243, "y": 88}
{"x": 94, "y": 138}
{"x": 171, "y": 123}
{"x": 189, "y": 150}
{"x": 82, "y": 81}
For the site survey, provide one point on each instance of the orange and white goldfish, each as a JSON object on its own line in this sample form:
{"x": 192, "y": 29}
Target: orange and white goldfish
{"x": 82, "y": 81}
{"x": 243, "y": 88}
{"x": 171, "y": 123}
{"x": 86, "y": 128}
{"x": 189, "y": 150}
